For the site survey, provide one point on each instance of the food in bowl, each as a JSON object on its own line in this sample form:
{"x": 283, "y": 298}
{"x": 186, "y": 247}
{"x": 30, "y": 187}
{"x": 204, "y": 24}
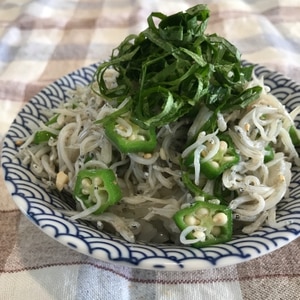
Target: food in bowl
{"x": 175, "y": 140}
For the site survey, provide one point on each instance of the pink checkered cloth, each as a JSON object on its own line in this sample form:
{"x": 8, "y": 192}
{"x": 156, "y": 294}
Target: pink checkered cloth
{"x": 40, "y": 41}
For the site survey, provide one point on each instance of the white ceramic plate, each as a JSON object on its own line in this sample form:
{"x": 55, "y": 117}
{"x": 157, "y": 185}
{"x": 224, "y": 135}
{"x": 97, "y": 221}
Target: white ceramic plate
{"x": 37, "y": 203}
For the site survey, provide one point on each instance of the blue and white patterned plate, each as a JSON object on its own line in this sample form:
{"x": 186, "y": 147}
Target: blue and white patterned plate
{"x": 38, "y": 204}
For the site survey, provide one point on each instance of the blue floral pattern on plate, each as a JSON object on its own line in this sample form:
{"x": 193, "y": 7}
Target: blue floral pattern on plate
{"x": 39, "y": 205}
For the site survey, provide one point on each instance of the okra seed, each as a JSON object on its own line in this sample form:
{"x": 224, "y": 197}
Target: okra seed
{"x": 136, "y": 137}
{"x": 162, "y": 154}
{"x": 147, "y": 155}
{"x": 220, "y": 219}
{"x": 86, "y": 182}
{"x": 85, "y": 191}
{"x": 201, "y": 212}
{"x": 198, "y": 234}
{"x": 223, "y": 146}
{"x": 228, "y": 158}
{"x": 216, "y": 231}
{"x": 247, "y": 126}
{"x": 133, "y": 137}
{"x": 215, "y": 164}
{"x": 199, "y": 198}
{"x": 191, "y": 220}
{"x": 281, "y": 178}
{"x": 98, "y": 181}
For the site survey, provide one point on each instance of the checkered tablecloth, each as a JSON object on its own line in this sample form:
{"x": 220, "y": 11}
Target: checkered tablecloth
{"x": 40, "y": 41}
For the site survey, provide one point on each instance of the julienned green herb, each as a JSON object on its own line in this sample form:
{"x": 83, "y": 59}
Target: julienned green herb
{"x": 169, "y": 69}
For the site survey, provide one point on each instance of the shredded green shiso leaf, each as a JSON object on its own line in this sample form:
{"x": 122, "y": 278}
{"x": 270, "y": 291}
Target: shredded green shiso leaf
{"x": 169, "y": 70}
